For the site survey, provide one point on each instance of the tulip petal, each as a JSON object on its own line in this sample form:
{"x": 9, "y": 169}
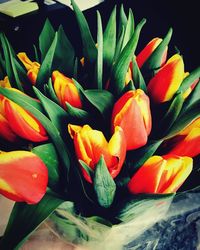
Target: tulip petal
{"x": 147, "y": 178}
{"x": 167, "y": 80}
{"x": 23, "y": 176}
{"x": 5, "y": 130}
{"x": 23, "y": 123}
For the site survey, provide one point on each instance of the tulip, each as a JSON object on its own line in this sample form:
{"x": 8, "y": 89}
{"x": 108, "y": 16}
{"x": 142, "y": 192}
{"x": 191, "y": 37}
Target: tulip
{"x": 91, "y": 144}
{"x": 167, "y": 80}
{"x": 66, "y": 90}
{"x": 5, "y": 130}
{"x": 132, "y": 113}
{"x": 148, "y": 50}
{"x": 21, "y": 122}
{"x": 187, "y": 142}
{"x": 161, "y": 175}
{"x": 31, "y": 67}
{"x": 23, "y": 176}
{"x": 5, "y": 83}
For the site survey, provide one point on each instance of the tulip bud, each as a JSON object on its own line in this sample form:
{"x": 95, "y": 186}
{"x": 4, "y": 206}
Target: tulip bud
{"x": 167, "y": 80}
{"x": 23, "y": 176}
{"x": 66, "y": 90}
{"x": 5, "y": 83}
{"x": 91, "y": 144}
{"x": 161, "y": 175}
{"x": 148, "y": 50}
{"x": 21, "y": 122}
{"x": 32, "y": 67}
{"x": 187, "y": 142}
{"x": 132, "y": 113}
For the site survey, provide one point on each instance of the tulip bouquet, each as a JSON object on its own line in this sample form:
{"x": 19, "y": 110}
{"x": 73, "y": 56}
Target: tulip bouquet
{"x": 97, "y": 141}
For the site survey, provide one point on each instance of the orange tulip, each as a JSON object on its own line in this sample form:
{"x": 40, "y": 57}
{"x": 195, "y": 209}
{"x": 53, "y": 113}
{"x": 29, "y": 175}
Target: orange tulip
{"x": 161, "y": 175}
{"x": 167, "y": 80}
{"x": 31, "y": 67}
{"x": 23, "y": 176}
{"x": 20, "y": 121}
{"x": 187, "y": 142}
{"x": 91, "y": 144}
{"x": 148, "y": 50}
{"x": 132, "y": 113}
{"x": 66, "y": 90}
{"x": 5, "y": 83}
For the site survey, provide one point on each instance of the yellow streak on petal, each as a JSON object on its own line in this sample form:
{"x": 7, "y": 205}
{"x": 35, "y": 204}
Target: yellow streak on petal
{"x": 187, "y": 130}
{"x": 8, "y": 157}
{"x": 5, "y": 83}
{"x": 6, "y": 187}
{"x": 73, "y": 129}
{"x": 28, "y": 119}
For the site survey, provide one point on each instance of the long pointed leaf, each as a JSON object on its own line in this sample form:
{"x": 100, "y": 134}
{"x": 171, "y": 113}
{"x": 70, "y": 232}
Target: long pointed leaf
{"x": 129, "y": 28}
{"x": 99, "y": 52}
{"x": 195, "y": 74}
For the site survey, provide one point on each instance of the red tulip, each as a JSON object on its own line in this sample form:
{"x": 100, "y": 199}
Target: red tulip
{"x": 167, "y": 80}
{"x": 91, "y": 144}
{"x": 21, "y": 122}
{"x": 66, "y": 90}
{"x": 132, "y": 113}
{"x": 23, "y": 176}
{"x": 32, "y": 67}
{"x": 148, "y": 50}
{"x": 187, "y": 142}
{"x": 161, "y": 175}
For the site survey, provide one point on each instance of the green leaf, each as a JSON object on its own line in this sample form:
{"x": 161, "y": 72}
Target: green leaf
{"x": 129, "y": 30}
{"x": 22, "y": 74}
{"x": 136, "y": 205}
{"x": 138, "y": 79}
{"x": 99, "y": 51}
{"x": 46, "y": 67}
{"x": 88, "y": 170}
{"x": 48, "y": 125}
{"x": 48, "y": 154}
{"x": 122, "y": 20}
{"x": 10, "y": 63}
{"x": 77, "y": 114}
{"x": 155, "y": 60}
{"x": 89, "y": 48}
{"x": 119, "y": 45}
{"x": 46, "y": 38}
{"x": 138, "y": 157}
{"x": 36, "y": 53}
{"x": 102, "y": 100}
{"x": 57, "y": 114}
{"x": 64, "y": 56}
{"x": 25, "y": 219}
{"x": 184, "y": 119}
{"x": 50, "y": 91}
{"x": 171, "y": 114}
{"x": 195, "y": 74}
{"x": 121, "y": 67}
{"x": 104, "y": 184}
{"x": 109, "y": 37}
{"x": 17, "y": 97}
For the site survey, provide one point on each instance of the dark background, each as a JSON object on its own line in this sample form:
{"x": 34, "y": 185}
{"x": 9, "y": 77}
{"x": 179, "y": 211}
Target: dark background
{"x": 183, "y": 17}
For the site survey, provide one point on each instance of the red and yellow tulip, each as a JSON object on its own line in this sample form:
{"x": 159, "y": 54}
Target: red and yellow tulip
{"x": 167, "y": 80}
{"x": 23, "y": 176}
{"x": 161, "y": 175}
{"x": 66, "y": 90}
{"x": 91, "y": 144}
{"x": 132, "y": 113}
{"x": 31, "y": 67}
{"x": 16, "y": 120}
{"x": 187, "y": 142}
{"x": 148, "y": 50}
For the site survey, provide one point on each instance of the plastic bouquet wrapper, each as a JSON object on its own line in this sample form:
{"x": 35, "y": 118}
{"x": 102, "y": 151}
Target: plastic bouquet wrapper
{"x": 100, "y": 149}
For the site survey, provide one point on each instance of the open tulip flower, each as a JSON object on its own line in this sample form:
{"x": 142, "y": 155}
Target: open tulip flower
{"x": 91, "y": 144}
{"x": 186, "y": 142}
{"x": 23, "y": 176}
{"x": 31, "y": 67}
{"x": 132, "y": 113}
{"x": 167, "y": 80}
{"x": 17, "y": 121}
{"x": 66, "y": 90}
{"x": 161, "y": 175}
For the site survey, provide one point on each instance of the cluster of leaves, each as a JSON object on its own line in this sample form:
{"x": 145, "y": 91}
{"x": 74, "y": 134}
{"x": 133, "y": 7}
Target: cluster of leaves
{"x": 101, "y": 63}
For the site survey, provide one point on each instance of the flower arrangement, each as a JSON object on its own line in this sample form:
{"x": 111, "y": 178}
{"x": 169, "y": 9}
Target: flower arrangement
{"x": 94, "y": 141}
